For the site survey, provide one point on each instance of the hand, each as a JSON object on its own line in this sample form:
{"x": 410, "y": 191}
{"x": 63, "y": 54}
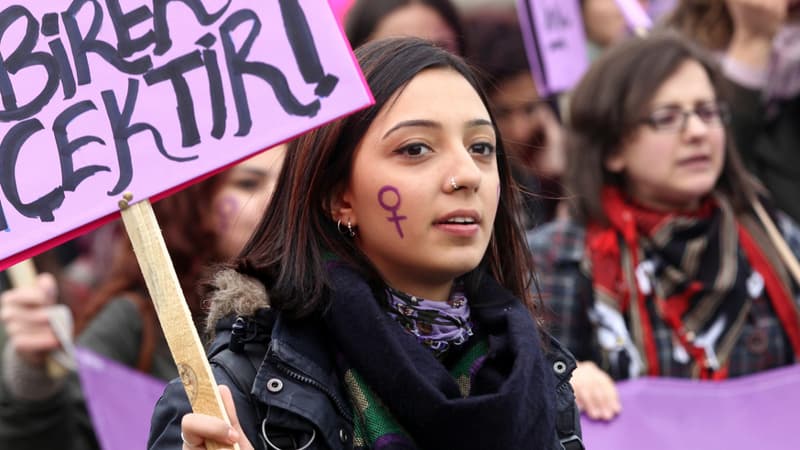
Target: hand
{"x": 196, "y": 429}
{"x": 24, "y": 313}
{"x": 595, "y": 392}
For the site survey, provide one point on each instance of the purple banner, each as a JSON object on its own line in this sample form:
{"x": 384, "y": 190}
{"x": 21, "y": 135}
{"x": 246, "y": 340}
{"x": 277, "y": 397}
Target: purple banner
{"x": 745, "y": 413}
{"x": 120, "y": 400}
{"x": 555, "y": 42}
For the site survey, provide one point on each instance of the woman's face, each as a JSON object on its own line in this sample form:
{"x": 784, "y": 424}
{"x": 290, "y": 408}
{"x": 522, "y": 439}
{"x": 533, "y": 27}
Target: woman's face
{"x": 515, "y": 102}
{"x": 240, "y": 203}
{"x": 417, "y": 20}
{"x": 674, "y": 169}
{"x": 418, "y": 231}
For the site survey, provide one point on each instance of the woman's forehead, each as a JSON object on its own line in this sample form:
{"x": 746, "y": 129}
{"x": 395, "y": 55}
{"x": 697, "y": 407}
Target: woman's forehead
{"x": 434, "y": 94}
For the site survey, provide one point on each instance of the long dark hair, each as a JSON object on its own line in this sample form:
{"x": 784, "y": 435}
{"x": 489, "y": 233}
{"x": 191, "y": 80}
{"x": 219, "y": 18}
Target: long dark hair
{"x": 611, "y": 97}
{"x": 297, "y": 235}
{"x": 365, "y": 15}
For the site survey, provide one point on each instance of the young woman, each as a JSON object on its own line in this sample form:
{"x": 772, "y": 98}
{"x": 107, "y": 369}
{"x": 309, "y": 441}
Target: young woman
{"x": 665, "y": 270}
{"x": 392, "y": 309}
{"x": 203, "y": 224}
{"x": 434, "y": 20}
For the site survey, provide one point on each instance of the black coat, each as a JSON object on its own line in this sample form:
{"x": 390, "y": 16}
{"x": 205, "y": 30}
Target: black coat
{"x": 296, "y": 386}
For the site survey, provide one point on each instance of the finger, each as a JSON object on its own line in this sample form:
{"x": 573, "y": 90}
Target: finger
{"x": 47, "y": 283}
{"x": 614, "y": 400}
{"x": 34, "y": 345}
{"x": 30, "y": 296}
{"x": 594, "y": 404}
{"x": 199, "y": 428}
{"x": 237, "y": 434}
{"x": 27, "y": 317}
{"x": 608, "y": 399}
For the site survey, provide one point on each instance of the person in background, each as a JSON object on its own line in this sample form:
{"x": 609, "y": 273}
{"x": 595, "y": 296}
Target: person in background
{"x": 435, "y": 20}
{"x": 204, "y": 224}
{"x": 758, "y": 44}
{"x": 393, "y": 310}
{"x": 665, "y": 270}
{"x": 532, "y": 134}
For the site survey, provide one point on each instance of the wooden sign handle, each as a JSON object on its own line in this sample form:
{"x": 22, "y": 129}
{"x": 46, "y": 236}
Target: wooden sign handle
{"x": 778, "y": 240}
{"x": 22, "y": 274}
{"x": 173, "y": 312}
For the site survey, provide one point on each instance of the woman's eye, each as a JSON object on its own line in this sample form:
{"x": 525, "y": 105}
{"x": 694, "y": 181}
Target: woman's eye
{"x": 482, "y": 148}
{"x": 247, "y": 184}
{"x": 414, "y": 150}
{"x": 666, "y": 118}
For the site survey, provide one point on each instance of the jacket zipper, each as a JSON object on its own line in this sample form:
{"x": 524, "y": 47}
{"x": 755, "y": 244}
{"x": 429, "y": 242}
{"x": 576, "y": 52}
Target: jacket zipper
{"x": 297, "y": 376}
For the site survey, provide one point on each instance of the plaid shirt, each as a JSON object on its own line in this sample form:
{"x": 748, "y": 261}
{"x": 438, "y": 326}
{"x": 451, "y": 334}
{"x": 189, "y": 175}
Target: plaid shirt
{"x": 567, "y": 294}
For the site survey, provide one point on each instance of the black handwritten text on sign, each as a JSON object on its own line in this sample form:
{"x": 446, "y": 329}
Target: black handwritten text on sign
{"x": 87, "y": 87}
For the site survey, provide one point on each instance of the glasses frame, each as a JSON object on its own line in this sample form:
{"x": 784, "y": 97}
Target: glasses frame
{"x": 723, "y": 114}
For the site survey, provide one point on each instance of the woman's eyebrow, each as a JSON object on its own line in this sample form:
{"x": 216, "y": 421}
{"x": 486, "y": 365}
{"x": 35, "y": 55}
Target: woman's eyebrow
{"x": 252, "y": 171}
{"x": 436, "y": 125}
{"x": 413, "y": 123}
{"x": 479, "y": 123}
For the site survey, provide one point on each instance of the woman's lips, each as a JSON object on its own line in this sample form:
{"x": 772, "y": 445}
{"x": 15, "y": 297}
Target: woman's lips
{"x": 461, "y": 229}
{"x": 699, "y": 161}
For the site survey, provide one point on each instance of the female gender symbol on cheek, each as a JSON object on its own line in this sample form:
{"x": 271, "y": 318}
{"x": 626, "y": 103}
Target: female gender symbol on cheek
{"x": 392, "y": 208}
{"x": 227, "y": 208}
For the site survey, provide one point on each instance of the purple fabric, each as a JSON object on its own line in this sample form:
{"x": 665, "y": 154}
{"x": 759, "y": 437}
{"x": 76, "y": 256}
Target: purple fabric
{"x": 435, "y": 324}
{"x": 744, "y": 413}
{"x": 120, "y": 400}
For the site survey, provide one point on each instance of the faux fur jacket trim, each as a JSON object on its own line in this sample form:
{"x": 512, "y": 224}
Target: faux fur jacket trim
{"x": 234, "y": 294}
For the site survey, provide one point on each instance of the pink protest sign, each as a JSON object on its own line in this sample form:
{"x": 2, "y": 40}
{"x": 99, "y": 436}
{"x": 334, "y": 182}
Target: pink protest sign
{"x": 555, "y": 42}
{"x": 143, "y": 96}
{"x": 340, "y": 8}
{"x": 635, "y": 15}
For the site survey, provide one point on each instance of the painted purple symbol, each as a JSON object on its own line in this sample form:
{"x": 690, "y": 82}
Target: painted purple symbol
{"x": 392, "y": 208}
{"x": 227, "y": 209}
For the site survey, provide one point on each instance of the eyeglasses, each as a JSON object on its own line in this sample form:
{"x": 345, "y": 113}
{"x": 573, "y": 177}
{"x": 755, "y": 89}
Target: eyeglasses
{"x": 673, "y": 118}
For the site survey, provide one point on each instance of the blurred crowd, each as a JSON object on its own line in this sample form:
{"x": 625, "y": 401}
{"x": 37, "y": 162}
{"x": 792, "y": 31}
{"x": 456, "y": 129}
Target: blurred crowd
{"x": 658, "y": 197}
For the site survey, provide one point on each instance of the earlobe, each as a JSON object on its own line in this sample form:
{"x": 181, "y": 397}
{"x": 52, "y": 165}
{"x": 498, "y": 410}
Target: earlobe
{"x": 341, "y": 207}
{"x": 614, "y": 163}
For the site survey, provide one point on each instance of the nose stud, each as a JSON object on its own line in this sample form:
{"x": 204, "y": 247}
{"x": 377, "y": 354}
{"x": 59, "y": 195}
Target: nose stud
{"x": 453, "y": 184}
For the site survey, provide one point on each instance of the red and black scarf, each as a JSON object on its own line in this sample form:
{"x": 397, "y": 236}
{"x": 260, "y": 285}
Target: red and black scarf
{"x": 697, "y": 277}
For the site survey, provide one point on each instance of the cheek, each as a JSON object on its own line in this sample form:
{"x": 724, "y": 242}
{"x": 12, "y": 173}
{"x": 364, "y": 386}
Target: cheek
{"x": 226, "y": 209}
{"x": 390, "y": 200}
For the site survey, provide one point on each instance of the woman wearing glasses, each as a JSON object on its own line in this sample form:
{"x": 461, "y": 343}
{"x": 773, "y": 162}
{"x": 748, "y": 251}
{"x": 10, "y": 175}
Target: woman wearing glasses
{"x": 665, "y": 270}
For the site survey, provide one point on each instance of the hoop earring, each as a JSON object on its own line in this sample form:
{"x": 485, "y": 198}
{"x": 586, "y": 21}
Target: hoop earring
{"x": 350, "y": 232}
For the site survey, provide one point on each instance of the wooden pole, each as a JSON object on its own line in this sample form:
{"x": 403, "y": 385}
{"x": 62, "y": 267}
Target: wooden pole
{"x": 173, "y": 312}
{"x": 777, "y": 239}
{"x": 22, "y": 274}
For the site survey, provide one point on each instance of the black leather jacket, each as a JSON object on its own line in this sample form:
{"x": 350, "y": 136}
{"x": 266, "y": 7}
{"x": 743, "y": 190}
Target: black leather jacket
{"x": 285, "y": 388}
